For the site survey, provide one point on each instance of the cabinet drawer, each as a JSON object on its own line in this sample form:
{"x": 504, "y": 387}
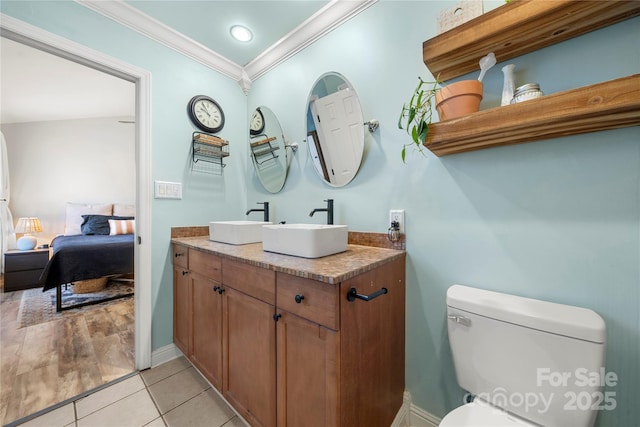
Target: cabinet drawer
{"x": 27, "y": 260}
{"x": 254, "y": 281}
{"x": 18, "y": 280}
{"x": 318, "y": 300}
{"x": 180, "y": 256}
{"x": 207, "y": 265}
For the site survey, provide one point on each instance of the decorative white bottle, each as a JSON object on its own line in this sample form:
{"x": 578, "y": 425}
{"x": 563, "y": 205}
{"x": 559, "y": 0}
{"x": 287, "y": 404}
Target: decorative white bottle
{"x": 509, "y": 84}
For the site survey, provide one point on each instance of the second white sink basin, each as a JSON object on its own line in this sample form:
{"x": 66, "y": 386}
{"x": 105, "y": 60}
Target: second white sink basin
{"x": 236, "y": 232}
{"x": 305, "y": 240}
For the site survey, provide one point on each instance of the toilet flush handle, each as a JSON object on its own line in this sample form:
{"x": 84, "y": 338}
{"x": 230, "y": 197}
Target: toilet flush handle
{"x": 460, "y": 319}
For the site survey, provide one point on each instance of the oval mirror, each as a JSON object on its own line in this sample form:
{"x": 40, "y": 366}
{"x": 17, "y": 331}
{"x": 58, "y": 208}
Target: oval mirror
{"x": 268, "y": 151}
{"x": 335, "y": 131}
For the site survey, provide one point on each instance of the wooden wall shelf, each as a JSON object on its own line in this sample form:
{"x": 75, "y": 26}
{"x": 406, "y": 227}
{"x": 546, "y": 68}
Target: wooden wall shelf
{"x": 608, "y": 105}
{"x": 209, "y": 148}
{"x": 517, "y": 28}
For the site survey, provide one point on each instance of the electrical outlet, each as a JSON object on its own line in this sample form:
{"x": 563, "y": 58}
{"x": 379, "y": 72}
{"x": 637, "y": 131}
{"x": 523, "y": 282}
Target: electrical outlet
{"x": 397, "y": 215}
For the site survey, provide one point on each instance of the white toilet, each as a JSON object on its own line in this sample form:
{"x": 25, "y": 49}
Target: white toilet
{"x": 526, "y": 362}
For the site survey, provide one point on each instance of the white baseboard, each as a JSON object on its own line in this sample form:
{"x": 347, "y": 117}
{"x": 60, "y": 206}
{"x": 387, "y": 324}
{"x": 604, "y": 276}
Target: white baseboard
{"x": 403, "y": 418}
{"x": 164, "y": 354}
{"x": 411, "y": 415}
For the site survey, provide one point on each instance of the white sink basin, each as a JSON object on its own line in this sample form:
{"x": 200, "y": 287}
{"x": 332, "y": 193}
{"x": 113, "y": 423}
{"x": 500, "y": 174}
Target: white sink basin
{"x": 236, "y": 232}
{"x": 305, "y": 240}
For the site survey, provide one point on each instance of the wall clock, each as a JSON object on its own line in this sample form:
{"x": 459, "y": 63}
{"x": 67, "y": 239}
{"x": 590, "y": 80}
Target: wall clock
{"x": 206, "y": 113}
{"x": 257, "y": 122}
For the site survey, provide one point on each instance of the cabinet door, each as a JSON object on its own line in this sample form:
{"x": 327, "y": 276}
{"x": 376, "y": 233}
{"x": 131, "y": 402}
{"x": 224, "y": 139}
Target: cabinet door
{"x": 308, "y": 366}
{"x": 372, "y": 347}
{"x": 249, "y": 379}
{"x": 182, "y": 310}
{"x": 207, "y": 328}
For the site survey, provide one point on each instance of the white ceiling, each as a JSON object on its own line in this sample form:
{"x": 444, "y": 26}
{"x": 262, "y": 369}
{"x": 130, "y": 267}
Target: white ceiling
{"x": 208, "y": 22}
{"x": 37, "y": 86}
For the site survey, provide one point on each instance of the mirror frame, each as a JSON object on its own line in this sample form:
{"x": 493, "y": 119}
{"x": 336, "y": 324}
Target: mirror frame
{"x": 268, "y": 151}
{"x": 326, "y": 85}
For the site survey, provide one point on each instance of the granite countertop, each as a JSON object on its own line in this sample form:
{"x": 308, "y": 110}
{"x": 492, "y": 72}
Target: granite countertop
{"x": 331, "y": 269}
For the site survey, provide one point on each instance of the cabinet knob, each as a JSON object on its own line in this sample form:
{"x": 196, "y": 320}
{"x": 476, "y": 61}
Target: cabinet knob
{"x": 299, "y": 298}
{"x": 184, "y": 272}
{"x": 277, "y": 317}
{"x": 220, "y": 290}
{"x": 179, "y": 254}
{"x": 215, "y": 288}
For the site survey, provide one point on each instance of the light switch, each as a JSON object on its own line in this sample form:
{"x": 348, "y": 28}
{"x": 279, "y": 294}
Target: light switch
{"x": 168, "y": 190}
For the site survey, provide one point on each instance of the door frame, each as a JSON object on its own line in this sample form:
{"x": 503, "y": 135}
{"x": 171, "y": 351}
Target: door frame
{"x": 33, "y": 36}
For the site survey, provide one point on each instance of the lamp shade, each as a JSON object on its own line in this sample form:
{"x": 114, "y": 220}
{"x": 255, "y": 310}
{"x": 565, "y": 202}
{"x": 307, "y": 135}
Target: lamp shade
{"x": 26, "y": 226}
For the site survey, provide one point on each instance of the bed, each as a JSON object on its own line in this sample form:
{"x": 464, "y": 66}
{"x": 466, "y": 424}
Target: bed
{"x": 100, "y": 250}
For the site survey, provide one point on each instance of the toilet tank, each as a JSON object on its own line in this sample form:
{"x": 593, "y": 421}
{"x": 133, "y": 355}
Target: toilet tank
{"x": 539, "y": 360}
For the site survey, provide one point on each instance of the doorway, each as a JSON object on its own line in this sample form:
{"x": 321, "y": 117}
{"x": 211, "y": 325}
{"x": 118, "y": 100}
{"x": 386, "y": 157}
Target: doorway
{"x": 32, "y": 36}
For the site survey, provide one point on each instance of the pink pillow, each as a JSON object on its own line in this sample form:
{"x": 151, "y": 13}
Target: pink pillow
{"x": 122, "y": 226}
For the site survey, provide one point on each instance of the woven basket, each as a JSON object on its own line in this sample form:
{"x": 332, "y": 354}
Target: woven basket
{"x": 89, "y": 286}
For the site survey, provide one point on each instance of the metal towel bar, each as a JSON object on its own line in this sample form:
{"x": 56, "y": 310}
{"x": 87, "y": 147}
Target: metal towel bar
{"x": 353, "y": 294}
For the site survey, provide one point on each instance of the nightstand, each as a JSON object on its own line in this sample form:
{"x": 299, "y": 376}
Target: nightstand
{"x": 22, "y": 269}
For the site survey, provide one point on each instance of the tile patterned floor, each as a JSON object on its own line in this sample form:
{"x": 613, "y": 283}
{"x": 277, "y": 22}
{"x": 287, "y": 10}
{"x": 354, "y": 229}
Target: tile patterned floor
{"x": 173, "y": 394}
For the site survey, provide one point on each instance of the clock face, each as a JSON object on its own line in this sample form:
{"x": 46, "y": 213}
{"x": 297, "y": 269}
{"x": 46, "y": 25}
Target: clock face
{"x": 257, "y": 122}
{"x": 206, "y": 114}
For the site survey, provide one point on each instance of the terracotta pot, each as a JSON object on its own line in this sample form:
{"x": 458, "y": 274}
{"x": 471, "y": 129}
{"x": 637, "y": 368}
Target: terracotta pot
{"x": 459, "y": 99}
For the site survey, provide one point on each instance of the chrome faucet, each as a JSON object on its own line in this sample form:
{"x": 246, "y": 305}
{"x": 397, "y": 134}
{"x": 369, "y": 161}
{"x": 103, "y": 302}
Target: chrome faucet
{"x": 328, "y": 210}
{"x": 265, "y": 211}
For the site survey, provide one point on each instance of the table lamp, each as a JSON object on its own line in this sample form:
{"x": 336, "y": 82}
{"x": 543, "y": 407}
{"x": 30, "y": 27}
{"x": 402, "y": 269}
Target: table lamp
{"x": 26, "y": 226}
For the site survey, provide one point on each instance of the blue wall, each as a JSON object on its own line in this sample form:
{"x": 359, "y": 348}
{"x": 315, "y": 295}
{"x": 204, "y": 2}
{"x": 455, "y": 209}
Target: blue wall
{"x": 557, "y": 220}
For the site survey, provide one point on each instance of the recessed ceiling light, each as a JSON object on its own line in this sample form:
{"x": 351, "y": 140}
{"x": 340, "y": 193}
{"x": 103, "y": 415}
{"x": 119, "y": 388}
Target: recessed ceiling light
{"x": 241, "y": 33}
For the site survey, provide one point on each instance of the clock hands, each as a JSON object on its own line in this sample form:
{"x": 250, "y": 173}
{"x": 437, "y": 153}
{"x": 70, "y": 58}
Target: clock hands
{"x": 204, "y": 110}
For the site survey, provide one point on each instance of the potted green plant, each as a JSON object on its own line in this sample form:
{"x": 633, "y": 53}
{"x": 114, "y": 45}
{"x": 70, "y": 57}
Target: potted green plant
{"x": 415, "y": 116}
{"x": 451, "y": 101}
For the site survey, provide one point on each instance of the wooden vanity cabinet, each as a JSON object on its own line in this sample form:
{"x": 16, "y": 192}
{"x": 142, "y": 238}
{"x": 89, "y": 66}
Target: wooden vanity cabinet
{"x": 181, "y": 300}
{"x": 197, "y": 302}
{"x": 341, "y": 362}
{"x": 250, "y": 357}
{"x": 206, "y": 315}
{"x": 372, "y": 347}
{"x": 249, "y": 341}
{"x": 288, "y": 351}
{"x": 308, "y": 368}
{"x": 206, "y": 352}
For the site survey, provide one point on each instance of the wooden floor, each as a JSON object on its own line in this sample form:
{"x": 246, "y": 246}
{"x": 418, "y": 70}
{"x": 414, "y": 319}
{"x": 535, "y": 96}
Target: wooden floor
{"x": 50, "y": 362}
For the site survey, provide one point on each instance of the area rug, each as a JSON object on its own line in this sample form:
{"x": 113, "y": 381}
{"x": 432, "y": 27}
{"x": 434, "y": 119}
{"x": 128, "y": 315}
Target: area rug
{"x": 39, "y": 307}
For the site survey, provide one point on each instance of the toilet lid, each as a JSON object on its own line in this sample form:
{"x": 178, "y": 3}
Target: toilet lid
{"x": 482, "y": 414}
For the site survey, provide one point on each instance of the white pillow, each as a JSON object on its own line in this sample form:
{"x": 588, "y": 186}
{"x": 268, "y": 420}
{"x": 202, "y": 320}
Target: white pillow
{"x": 75, "y": 211}
{"x": 120, "y": 209}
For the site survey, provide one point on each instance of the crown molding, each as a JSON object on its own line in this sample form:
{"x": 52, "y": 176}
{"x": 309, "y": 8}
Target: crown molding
{"x": 322, "y": 22}
{"x": 133, "y": 18}
{"x": 319, "y": 24}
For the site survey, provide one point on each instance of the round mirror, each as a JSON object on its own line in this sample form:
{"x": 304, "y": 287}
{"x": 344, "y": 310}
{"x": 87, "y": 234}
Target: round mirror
{"x": 335, "y": 131}
{"x": 268, "y": 151}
